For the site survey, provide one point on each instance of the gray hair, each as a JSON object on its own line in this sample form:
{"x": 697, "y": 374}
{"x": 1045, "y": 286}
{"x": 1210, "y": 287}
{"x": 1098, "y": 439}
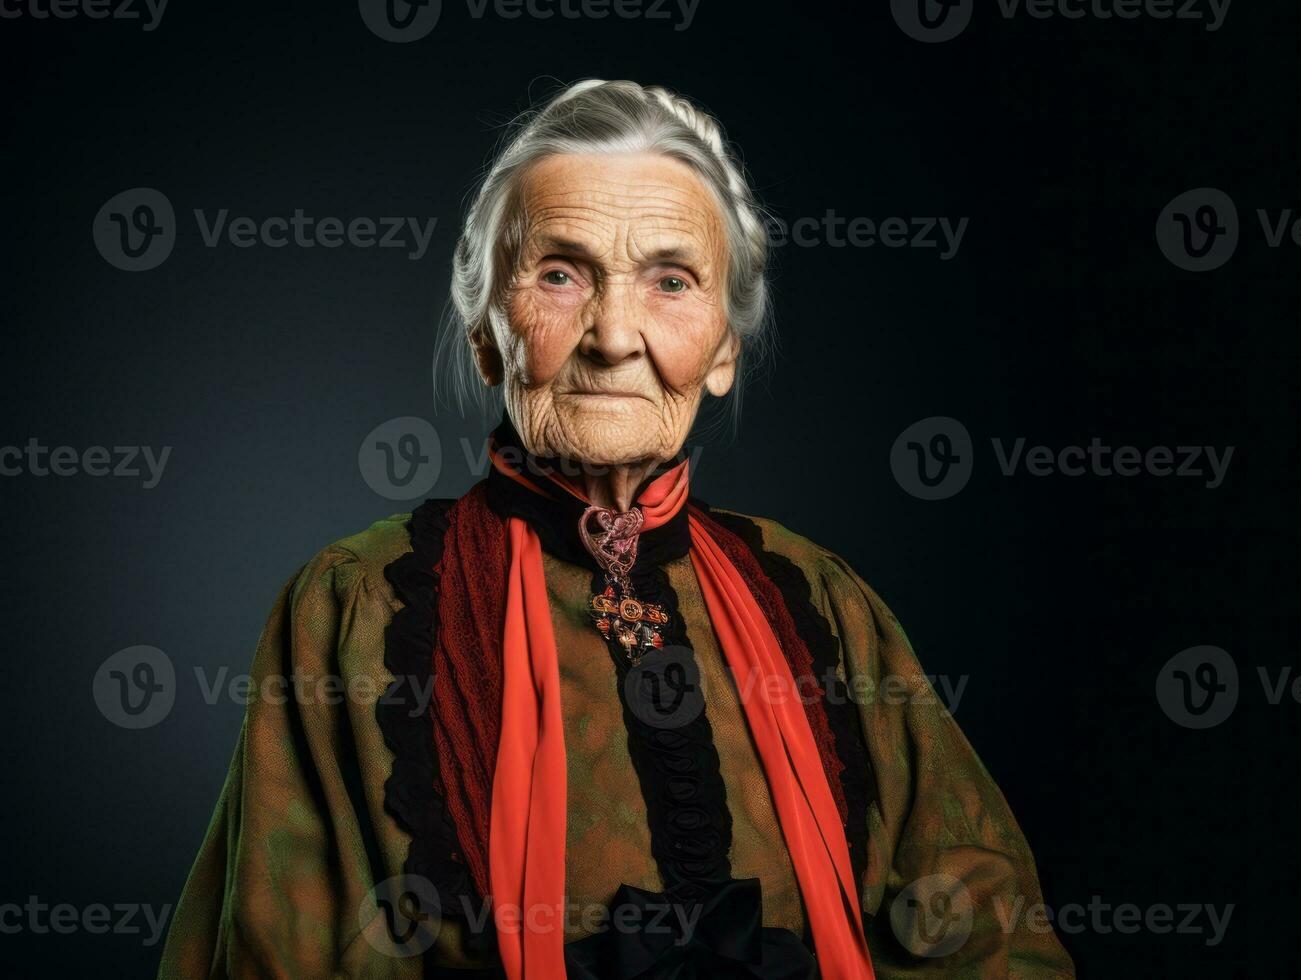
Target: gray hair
{"x": 591, "y": 117}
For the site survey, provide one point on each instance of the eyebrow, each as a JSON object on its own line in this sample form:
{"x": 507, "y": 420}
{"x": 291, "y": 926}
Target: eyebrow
{"x": 550, "y": 243}
{"x": 673, "y": 253}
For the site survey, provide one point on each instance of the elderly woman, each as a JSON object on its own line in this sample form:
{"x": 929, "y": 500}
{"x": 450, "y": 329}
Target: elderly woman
{"x": 584, "y": 725}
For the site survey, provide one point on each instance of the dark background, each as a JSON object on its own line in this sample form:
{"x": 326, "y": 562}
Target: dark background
{"x": 1058, "y": 599}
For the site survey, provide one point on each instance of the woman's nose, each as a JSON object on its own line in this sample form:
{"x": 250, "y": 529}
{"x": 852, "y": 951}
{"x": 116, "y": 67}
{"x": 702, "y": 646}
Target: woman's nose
{"x": 614, "y": 332}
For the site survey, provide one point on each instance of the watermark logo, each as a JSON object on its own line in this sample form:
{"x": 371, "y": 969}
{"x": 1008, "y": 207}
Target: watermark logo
{"x": 401, "y": 916}
{"x": 1209, "y": 12}
{"x": 413, "y": 693}
{"x": 400, "y": 459}
{"x": 932, "y": 917}
{"x": 121, "y": 462}
{"x": 944, "y": 692}
{"x": 940, "y": 235}
{"x": 1207, "y": 463}
{"x": 663, "y": 690}
{"x": 1198, "y": 687}
{"x": 932, "y": 21}
{"x": 302, "y": 230}
{"x": 135, "y": 230}
{"x": 401, "y": 21}
{"x": 148, "y": 12}
{"x": 941, "y": 691}
{"x": 932, "y": 459}
{"x": 64, "y": 919}
{"x": 136, "y": 687}
{"x": 1198, "y": 231}
{"x": 1103, "y": 918}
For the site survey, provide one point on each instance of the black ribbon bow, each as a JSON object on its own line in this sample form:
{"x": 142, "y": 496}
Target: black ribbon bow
{"x": 652, "y": 936}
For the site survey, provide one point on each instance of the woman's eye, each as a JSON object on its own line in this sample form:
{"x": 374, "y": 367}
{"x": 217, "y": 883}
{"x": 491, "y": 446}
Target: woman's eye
{"x": 673, "y": 284}
{"x": 556, "y": 278}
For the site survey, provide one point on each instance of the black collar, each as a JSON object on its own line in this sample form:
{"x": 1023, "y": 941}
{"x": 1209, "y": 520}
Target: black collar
{"x": 555, "y": 518}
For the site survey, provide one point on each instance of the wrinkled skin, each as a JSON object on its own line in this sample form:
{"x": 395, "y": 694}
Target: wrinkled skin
{"x": 616, "y": 316}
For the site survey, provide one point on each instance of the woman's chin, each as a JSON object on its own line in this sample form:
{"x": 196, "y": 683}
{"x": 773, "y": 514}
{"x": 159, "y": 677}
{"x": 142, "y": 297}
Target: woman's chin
{"x": 615, "y": 432}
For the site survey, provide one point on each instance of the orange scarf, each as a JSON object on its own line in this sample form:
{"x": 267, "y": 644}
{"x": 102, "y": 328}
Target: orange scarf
{"x": 528, "y": 817}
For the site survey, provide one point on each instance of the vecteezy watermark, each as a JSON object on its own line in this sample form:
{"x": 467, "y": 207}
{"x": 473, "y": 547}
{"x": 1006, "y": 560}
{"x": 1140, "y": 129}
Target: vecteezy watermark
{"x": 303, "y": 231}
{"x": 479, "y": 461}
{"x": 148, "y": 12}
{"x": 414, "y": 694}
{"x": 932, "y": 459}
{"x": 940, "y": 690}
{"x": 675, "y": 921}
{"x": 401, "y": 916}
{"x": 1208, "y": 463}
{"x": 64, "y": 919}
{"x": 137, "y": 230}
{"x": 1127, "y": 918}
{"x": 663, "y": 690}
{"x": 934, "y": 21}
{"x": 932, "y": 916}
{"x": 136, "y": 688}
{"x": 1199, "y": 230}
{"x": 1199, "y": 687}
{"x": 404, "y": 21}
{"x": 941, "y": 234}
{"x": 122, "y": 462}
{"x": 400, "y": 459}
{"x": 400, "y": 21}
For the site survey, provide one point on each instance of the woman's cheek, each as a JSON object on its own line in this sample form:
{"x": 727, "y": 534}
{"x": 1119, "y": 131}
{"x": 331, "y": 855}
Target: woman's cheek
{"x": 686, "y": 336}
{"x": 546, "y": 324}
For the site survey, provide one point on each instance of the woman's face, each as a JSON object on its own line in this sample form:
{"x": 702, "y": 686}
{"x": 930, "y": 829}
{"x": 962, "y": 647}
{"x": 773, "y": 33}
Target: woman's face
{"x": 615, "y": 309}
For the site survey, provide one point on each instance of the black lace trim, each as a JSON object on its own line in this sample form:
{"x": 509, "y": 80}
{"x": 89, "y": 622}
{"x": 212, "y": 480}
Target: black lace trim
{"x": 673, "y": 753}
{"x": 857, "y": 779}
{"x": 411, "y": 792}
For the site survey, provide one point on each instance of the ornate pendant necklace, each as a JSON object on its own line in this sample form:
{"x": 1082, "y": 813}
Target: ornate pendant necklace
{"x": 616, "y": 612}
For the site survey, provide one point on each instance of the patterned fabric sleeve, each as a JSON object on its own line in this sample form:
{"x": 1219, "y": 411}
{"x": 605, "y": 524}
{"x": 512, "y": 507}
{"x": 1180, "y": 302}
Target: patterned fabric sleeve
{"x": 291, "y": 852}
{"x": 949, "y": 873}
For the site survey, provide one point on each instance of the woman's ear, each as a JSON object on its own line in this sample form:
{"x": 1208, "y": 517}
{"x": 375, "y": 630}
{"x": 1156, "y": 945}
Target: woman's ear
{"x": 722, "y": 373}
{"x": 487, "y": 357}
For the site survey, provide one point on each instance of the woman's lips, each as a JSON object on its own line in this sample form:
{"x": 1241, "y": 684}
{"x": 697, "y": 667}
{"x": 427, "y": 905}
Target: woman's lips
{"x": 607, "y": 394}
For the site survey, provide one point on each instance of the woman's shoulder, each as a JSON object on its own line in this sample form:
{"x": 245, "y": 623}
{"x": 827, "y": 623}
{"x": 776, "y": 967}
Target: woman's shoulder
{"x": 771, "y": 534}
{"x": 766, "y": 535}
{"x": 813, "y": 577}
{"x": 781, "y": 551}
{"x": 366, "y": 560}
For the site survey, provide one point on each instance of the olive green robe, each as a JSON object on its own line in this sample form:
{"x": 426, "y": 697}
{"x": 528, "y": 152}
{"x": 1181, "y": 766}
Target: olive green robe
{"x": 301, "y": 836}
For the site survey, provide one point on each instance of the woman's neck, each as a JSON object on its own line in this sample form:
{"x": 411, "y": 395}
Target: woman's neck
{"x": 615, "y": 487}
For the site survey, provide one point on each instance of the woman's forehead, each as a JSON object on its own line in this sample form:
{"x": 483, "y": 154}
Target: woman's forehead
{"x": 580, "y": 202}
